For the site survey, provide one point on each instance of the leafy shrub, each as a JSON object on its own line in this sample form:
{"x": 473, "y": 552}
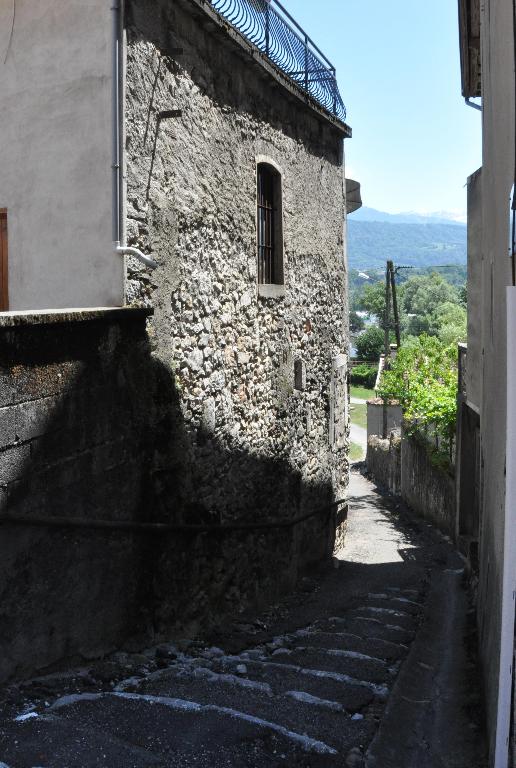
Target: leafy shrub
{"x": 423, "y": 377}
{"x": 369, "y": 344}
{"x": 364, "y": 375}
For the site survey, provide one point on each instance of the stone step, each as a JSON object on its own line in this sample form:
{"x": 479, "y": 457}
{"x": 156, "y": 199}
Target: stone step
{"x": 369, "y": 626}
{"x": 54, "y": 742}
{"x": 381, "y": 649}
{"x": 183, "y": 733}
{"x": 352, "y": 663}
{"x": 354, "y": 693}
{"x": 295, "y": 709}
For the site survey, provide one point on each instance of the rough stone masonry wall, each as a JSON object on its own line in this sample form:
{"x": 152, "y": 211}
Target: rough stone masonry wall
{"x": 73, "y": 429}
{"x": 254, "y": 447}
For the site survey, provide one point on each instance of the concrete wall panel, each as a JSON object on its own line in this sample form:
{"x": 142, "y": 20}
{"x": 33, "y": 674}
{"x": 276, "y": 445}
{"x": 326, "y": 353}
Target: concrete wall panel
{"x": 55, "y": 153}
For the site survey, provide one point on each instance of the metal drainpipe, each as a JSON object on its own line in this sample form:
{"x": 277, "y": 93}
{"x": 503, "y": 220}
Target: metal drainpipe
{"x": 472, "y": 104}
{"x": 120, "y": 249}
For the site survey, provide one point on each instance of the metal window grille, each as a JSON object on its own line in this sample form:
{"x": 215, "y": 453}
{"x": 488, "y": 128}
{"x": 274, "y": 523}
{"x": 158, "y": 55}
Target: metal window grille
{"x": 267, "y": 225}
{"x": 268, "y": 25}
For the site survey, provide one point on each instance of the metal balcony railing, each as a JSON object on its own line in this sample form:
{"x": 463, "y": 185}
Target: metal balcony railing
{"x": 272, "y": 29}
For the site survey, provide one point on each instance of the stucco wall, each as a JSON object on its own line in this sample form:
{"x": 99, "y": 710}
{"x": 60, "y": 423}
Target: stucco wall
{"x": 497, "y": 179}
{"x": 375, "y": 418}
{"x": 473, "y": 377}
{"x": 55, "y": 153}
{"x": 258, "y": 448}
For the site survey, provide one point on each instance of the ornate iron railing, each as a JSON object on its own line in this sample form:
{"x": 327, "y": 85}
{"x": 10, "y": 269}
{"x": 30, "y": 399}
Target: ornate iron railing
{"x": 273, "y": 30}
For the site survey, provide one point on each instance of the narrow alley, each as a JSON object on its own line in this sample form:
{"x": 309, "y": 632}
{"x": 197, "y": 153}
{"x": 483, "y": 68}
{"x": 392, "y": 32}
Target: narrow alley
{"x": 367, "y": 664}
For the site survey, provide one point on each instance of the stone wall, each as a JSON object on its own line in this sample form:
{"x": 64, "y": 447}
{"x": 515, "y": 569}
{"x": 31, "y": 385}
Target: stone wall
{"x": 255, "y": 445}
{"x": 404, "y": 466}
{"x": 384, "y": 461}
{"x": 74, "y": 421}
{"x": 427, "y": 488}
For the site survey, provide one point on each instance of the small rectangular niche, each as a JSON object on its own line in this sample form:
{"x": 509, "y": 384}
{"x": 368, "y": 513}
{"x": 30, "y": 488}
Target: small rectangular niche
{"x": 299, "y": 374}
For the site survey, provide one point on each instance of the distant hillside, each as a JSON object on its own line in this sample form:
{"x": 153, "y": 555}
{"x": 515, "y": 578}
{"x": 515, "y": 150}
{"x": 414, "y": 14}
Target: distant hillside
{"x": 439, "y": 217}
{"x": 371, "y": 243}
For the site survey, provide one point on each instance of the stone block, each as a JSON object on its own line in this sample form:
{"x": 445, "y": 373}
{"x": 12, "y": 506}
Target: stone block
{"x": 14, "y": 463}
{"x": 37, "y": 417}
{"x": 7, "y": 427}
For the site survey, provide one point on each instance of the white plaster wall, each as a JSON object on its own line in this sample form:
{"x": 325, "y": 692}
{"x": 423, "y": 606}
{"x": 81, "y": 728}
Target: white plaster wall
{"x": 474, "y": 356}
{"x": 55, "y": 153}
{"x": 497, "y": 178}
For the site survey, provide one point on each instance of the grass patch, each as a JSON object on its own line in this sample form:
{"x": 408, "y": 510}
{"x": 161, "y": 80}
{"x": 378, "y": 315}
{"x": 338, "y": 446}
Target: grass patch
{"x": 358, "y": 415}
{"x": 361, "y": 392}
{"x": 356, "y": 452}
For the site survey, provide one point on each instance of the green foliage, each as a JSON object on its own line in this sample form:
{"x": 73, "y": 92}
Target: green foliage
{"x": 356, "y": 323}
{"x": 371, "y": 243}
{"x": 372, "y": 299}
{"x": 450, "y": 323}
{"x": 423, "y": 378}
{"x": 356, "y": 452}
{"x": 370, "y": 343}
{"x": 423, "y": 295}
{"x": 364, "y": 393}
{"x": 364, "y": 375}
{"x": 358, "y": 415}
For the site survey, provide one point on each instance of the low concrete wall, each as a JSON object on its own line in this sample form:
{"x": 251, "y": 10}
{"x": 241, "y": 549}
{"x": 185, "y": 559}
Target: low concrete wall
{"x": 403, "y": 465}
{"x": 375, "y": 418}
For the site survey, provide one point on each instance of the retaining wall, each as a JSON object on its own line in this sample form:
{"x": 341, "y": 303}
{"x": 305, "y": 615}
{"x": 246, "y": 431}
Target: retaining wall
{"x": 74, "y": 420}
{"x": 403, "y": 465}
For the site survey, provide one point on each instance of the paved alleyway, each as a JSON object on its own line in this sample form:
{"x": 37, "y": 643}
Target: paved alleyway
{"x": 366, "y": 665}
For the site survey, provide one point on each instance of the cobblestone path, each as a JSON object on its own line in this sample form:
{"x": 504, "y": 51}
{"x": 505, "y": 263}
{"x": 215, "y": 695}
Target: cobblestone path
{"x": 359, "y": 668}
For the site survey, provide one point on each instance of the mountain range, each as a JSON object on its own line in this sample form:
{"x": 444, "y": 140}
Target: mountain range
{"x": 405, "y": 238}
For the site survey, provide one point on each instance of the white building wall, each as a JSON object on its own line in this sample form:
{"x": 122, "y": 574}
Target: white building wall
{"x": 474, "y": 356}
{"x": 55, "y": 153}
{"x": 497, "y": 179}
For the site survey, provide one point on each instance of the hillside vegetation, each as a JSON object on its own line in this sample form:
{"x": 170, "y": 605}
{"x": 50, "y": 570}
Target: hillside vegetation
{"x": 371, "y": 243}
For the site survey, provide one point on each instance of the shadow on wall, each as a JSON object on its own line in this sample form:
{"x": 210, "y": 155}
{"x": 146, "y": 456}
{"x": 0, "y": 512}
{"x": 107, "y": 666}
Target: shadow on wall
{"x": 91, "y": 429}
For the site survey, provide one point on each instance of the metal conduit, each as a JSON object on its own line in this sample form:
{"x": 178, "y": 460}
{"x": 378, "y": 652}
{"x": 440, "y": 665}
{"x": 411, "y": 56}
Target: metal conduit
{"x": 128, "y": 525}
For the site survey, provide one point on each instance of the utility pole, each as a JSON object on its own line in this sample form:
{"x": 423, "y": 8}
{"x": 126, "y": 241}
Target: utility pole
{"x": 387, "y": 315}
{"x": 386, "y": 338}
{"x": 390, "y": 268}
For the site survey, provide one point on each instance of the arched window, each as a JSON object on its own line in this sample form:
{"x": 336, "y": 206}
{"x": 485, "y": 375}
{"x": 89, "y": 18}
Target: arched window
{"x": 269, "y": 226}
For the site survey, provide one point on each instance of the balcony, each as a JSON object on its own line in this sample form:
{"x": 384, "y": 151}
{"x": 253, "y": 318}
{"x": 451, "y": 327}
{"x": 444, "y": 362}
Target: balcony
{"x": 267, "y": 25}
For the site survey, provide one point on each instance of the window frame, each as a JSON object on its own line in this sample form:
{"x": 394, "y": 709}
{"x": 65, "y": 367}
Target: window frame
{"x": 276, "y": 286}
{"x": 4, "y": 281}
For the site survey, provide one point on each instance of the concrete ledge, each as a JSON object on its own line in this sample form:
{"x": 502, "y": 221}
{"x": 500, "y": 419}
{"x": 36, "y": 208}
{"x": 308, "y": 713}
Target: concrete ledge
{"x": 72, "y": 315}
{"x": 271, "y": 291}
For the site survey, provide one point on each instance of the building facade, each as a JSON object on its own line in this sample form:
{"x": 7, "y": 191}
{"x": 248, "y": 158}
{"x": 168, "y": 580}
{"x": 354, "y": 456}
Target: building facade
{"x": 486, "y": 498}
{"x": 203, "y": 157}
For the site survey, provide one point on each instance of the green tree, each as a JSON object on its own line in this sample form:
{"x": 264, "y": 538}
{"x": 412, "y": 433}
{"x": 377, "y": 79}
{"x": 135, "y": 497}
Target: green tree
{"x": 370, "y": 343}
{"x": 372, "y": 300}
{"x": 449, "y": 323}
{"x": 423, "y": 294}
{"x": 356, "y": 323}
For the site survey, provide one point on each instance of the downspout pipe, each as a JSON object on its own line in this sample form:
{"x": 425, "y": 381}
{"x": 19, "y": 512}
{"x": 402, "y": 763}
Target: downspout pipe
{"x": 472, "y": 104}
{"x": 119, "y": 248}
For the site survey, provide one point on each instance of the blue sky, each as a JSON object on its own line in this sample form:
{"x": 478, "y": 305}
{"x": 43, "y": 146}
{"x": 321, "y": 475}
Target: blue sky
{"x": 414, "y": 140}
